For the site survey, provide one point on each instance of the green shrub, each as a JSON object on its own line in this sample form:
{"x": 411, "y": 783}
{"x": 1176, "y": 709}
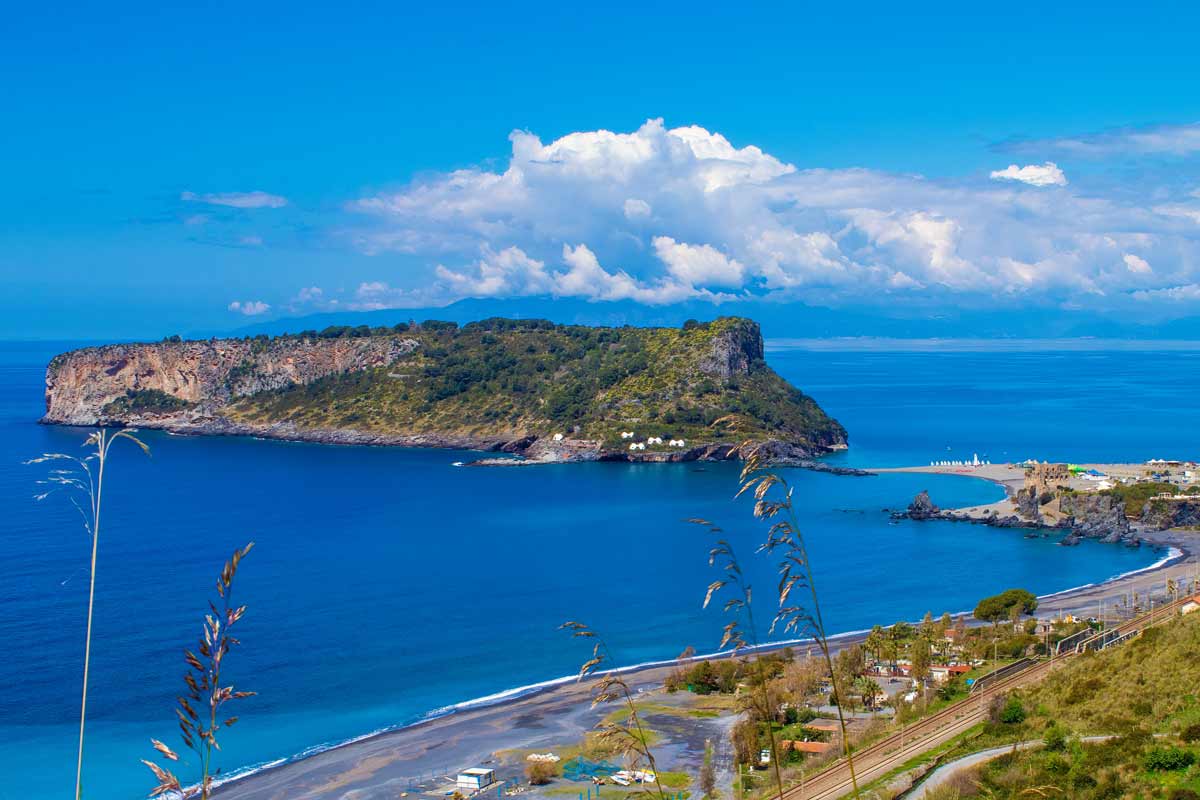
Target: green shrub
{"x": 1056, "y": 737}
{"x": 539, "y": 773}
{"x": 152, "y": 401}
{"x": 1164, "y": 759}
{"x": 1013, "y": 712}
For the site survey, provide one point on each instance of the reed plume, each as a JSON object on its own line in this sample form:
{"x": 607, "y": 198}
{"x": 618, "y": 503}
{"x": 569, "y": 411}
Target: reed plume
{"x": 83, "y": 478}
{"x": 733, "y": 636}
{"x": 201, "y": 707}
{"x": 773, "y": 504}
{"x": 629, "y": 737}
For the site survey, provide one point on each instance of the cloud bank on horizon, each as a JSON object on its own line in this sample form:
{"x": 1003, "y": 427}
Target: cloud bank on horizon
{"x": 662, "y": 215}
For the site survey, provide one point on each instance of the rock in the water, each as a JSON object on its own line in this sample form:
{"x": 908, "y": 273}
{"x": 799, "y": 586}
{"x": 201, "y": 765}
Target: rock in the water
{"x": 922, "y": 507}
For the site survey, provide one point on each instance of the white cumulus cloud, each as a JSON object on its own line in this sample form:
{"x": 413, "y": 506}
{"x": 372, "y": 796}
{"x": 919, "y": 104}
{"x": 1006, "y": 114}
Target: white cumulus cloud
{"x": 1047, "y": 174}
{"x": 698, "y": 265}
{"x": 250, "y": 308}
{"x": 1136, "y": 263}
{"x": 661, "y": 214}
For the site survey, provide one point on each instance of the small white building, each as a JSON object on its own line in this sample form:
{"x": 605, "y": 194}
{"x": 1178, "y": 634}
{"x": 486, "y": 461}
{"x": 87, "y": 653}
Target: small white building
{"x": 654, "y": 440}
{"x": 626, "y": 434}
{"x": 558, "y": 437}
{"x": 475, "y": 778}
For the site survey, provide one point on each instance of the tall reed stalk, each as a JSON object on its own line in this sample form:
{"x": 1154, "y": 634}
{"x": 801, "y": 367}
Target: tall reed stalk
{"x": 629, "y": 737}
{"x": 773, "y": 504}
{"x": 734, "y": 636}
{"x": 85, "y": 477}
{"x": 201, "y": 707}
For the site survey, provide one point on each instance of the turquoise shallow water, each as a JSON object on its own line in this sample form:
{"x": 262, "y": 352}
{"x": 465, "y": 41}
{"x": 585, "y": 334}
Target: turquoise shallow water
{"x": 387, "y": 583}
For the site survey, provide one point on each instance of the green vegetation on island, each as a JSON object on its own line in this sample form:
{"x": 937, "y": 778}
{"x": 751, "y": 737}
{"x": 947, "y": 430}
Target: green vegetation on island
{"x": 700, "y": 383}
{"x": 146, "y": 401}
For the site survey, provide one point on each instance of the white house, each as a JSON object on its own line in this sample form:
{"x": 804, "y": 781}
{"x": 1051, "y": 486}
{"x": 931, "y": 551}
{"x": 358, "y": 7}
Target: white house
{"x": 558, "y": 437}
{"x": 626, "y": 434}
{"x": 475, "y": 778}
{"x": 637, "y": 445}
{"x": 654, "y": 440}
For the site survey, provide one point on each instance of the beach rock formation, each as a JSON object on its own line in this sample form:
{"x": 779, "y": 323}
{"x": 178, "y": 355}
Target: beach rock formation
{"x": 1094, "y": 515}
{"x": 546, "y": 392}
{"x": 922, "y": 507}
{"x": 1161, "y": 514}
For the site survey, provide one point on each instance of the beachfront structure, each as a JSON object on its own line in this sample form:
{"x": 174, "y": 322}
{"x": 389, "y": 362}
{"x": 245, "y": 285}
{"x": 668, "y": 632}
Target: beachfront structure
{"x": 626, "y": 434}
{"x": 654, "y": 440}
{"x": 943, "y": 672}
{"x": 637, "y": 445}
{"x": 475, "y": 778}
{"x": 677, "y": 443}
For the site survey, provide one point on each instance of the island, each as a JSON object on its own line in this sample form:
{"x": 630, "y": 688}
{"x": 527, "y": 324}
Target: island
{"x": 541, "y": 391}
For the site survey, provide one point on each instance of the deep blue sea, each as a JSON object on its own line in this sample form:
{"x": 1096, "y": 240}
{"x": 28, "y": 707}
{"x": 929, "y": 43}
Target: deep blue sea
{"x": 387, "y": 584}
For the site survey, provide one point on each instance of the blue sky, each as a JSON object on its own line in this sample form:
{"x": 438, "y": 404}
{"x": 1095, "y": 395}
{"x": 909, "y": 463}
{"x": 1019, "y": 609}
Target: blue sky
{"x": 182, "y": 169}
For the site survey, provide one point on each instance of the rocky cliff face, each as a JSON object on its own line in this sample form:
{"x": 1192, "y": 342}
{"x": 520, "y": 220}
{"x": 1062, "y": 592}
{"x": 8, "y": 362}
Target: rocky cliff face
{"x": 1095, "y": 515}
{"x": 734, "y": 350}
{"x": 1164, "y": 514}
{"x": 204, "y": 374}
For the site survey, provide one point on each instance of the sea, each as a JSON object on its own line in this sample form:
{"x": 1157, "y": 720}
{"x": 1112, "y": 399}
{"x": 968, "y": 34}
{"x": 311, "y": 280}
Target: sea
{"x": 387, "y": 585}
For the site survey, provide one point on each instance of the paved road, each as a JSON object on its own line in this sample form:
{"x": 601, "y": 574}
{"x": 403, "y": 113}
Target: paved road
{"x": 943, "y": 773}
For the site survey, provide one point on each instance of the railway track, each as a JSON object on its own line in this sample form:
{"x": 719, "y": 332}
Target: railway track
{"x": 876, "y": 760}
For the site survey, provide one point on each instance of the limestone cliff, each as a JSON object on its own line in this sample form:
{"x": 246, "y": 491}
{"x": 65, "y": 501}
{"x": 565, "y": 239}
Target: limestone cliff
{"x": 204, "y": 375}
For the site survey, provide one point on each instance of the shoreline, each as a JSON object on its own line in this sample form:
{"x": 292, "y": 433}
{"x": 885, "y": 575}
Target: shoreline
{"x": 511, "y": 450}
{"x": 472, "y": 731}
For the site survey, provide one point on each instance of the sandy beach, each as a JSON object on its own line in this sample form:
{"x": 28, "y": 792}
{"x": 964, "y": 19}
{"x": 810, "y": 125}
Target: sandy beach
{"x": 421, "y": 760}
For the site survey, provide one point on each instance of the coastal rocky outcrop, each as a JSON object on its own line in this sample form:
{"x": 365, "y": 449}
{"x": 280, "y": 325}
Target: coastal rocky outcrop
{"x": 544, "y": 392}
{"x": 922, "y": 507}
{"x": 1161, "y": 514}
{"x": 1095, "y": 515}
{"x": 1084, "y": 516}
{"x": 735, "y": 352}
{"x": 202, "y": 376}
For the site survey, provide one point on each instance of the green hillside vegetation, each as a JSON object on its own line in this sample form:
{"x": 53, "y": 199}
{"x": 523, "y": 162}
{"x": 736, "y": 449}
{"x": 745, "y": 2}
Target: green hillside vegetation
{"x": 1146, "y": 694}
{"x": 145, "y": 401}
{"x": 533, "y": 377}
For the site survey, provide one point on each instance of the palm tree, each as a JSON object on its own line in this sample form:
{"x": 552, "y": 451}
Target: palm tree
{"x": 85, "y": 477}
